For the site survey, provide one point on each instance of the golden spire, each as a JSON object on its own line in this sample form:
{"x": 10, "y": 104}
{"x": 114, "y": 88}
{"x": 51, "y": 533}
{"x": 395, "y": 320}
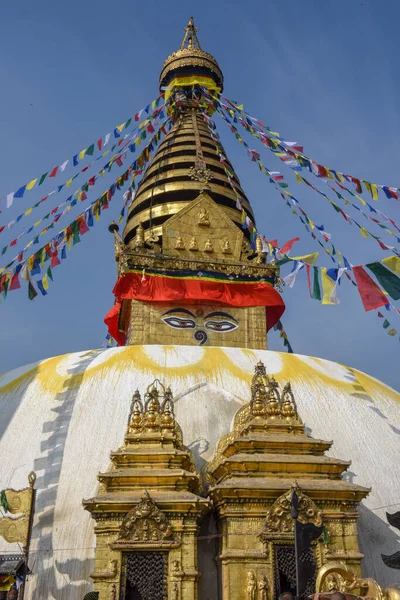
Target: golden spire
{"x": 190, "y": 39}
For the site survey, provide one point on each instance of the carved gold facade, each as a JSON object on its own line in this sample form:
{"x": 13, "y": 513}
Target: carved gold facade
{"x": 251, "y": 477}
{"x": 199, "y": 238}
{"x": 148, "y": 508}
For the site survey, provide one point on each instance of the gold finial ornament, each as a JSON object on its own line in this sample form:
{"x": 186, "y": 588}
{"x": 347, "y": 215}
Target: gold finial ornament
{"x": 139, "y": 239}
{"x": 190, "y": 54}
{"x": 190, "y": 39}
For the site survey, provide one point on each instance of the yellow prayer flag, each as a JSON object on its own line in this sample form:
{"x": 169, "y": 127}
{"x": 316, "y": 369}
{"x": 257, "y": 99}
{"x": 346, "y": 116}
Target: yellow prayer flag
{"x": 239, "y": 106}
{"x": 275, "y": 133}
{"x": 153, "y": 105}
{"x": 45, "y": 282}
{"x": 392, "y": 331}
{"x": 340, "y": 176}
{"x": 329, "y": 173}
{"x": 137, "y": 141}
{"x": 37, "y": 223}
{"x": 311, "y": 223}
{"x": 299, "y": 178}
{"x": 68, "y": 182}
{"x": 361, "y": 199}
{"x": 82, "y": 154}
{"x": 364, "y": 232}
{"x": 309, "y": 259}
{"x": 374, "y": 192}
{"x": 28, "y": 211}
{"x": 242, "y": 217}
{"x": 392, "y": 263}
{"x": 368, "y": 186}
{"x": 328, "y": 286}
{"x": 120, "y": 127}
{"x": 31, "y": 184}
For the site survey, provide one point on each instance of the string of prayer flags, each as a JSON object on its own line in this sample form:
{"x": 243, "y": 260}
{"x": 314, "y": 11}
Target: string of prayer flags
{"x": 71, "y": 201}
{"x": 67, "y": 237}
{"x": 79, "y": 156}
{"x": 307, "y": 222}
{"x": 321, "y": 170}
{"x": 282, "y": 333}
{"x": 286, "y": 154}
{"x": 121, "y": 145}
{"x": 387, "y": 326}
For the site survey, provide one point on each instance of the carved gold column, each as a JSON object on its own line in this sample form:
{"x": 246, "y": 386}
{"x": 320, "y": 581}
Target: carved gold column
{"x": 148, "y": 503}
{"x": 251, "y": 477}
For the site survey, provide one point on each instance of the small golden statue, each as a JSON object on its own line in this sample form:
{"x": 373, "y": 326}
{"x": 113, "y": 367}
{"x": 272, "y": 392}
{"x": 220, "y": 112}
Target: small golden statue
{"x": 208, "y": 247}
{"x": 193, "y": 244}
{"x": 263, "y": 588}
{"x": 179, "y": 244}
{"x": 226, "y": 247}
{"x": 202, "y": 218}
{"x": 251, "y": 586}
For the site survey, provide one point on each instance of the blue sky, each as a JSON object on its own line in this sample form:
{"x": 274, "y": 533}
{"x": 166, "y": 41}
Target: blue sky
{"x": 321, "y": 73}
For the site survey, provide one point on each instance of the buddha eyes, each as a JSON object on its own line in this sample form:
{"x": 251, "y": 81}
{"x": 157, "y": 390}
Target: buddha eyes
{"x": 179, "y": 323}
{"x": 187, "y": 323}
{"x": 221, "y": 326}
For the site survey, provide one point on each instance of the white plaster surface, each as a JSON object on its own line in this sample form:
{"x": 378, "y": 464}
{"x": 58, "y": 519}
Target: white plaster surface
{"x": 61, "y": 418}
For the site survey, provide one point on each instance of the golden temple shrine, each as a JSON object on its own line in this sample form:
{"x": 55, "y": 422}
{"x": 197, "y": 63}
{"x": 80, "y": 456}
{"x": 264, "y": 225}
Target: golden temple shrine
{"x": 167, "y": 469}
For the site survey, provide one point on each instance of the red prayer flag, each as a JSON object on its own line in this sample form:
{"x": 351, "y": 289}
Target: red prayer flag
{"x": 100, "y": 143}
{"x": 13, "y": 243}
{"x": 118, "y": 160}
{"x": 92, "y": 180}
{"x": 15, "y": 284}
{"x": 289, "y": 245}
{"x": 83, "y": 228}
{"x": 150, "y": 128}
{"x": 370, "y": 293}
{"x": 54, "y": 172}
{"x": 2, "y": 228}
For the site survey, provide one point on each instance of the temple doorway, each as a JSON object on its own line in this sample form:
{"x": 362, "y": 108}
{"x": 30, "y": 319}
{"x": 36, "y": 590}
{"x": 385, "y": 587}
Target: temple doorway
{"x": 144, "y": 576}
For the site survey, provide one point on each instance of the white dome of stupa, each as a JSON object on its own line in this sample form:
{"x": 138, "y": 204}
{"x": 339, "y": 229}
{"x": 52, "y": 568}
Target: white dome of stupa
{"x": 61, "y": 417}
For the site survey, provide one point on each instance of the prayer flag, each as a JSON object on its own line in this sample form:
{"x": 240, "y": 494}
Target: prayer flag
{"x": 289, "y": 245}
{"x": 371, "y": 295}
{"x": 388, "y": 280}
{"x": 392, "y": 263}
{"x": 32, "y": 293}
{"x": 316, "y": 293}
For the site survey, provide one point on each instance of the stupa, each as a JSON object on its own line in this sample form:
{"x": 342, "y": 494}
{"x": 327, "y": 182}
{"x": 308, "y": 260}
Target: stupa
{"x": 164, "y": 467}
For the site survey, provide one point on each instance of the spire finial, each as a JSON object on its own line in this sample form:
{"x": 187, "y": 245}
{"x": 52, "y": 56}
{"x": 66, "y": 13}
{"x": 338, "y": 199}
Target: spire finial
{"x": 190, "y": 40}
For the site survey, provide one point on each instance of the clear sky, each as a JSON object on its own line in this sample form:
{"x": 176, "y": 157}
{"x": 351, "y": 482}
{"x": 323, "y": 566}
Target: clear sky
{"x": 325, "y": 74}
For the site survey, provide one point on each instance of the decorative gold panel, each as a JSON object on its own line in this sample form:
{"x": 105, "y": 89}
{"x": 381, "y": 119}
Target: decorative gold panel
{"x": 204, "y": 221}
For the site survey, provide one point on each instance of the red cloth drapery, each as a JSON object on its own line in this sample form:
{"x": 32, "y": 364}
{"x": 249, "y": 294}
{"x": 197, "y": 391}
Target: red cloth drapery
{"x": 155, "y": 288}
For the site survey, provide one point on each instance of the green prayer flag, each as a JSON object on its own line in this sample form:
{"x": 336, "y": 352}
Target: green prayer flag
{"x": 32, "y": 293}
{"x": 388, "y": 280}
{"x": 129, "y": 121}
{"x": 43, "y": 177}
{"x": 3, "y": 499}
{"x": 4, "y": 250}
{"x": 316, "y": 293}
{"x": 85, "y": 187}
{"x": 143, "y": 135}
{"x": 90, "y": 150}
{"x": 50, "y": 274}
{"x": 385, "y": 324}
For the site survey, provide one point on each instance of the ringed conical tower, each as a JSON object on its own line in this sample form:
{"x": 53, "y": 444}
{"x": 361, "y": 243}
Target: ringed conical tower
{"x": 191, "y": 267}
{"x": 188, "y": 160}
